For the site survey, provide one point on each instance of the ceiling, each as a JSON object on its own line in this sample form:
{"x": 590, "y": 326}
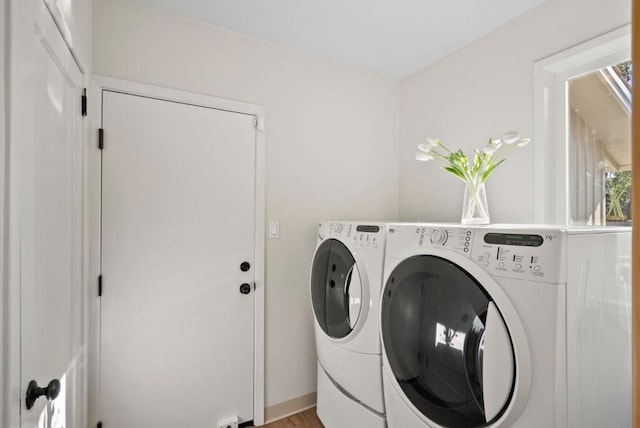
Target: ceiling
{"x": 597, "y": 105}
{"x": 394, "y": 38}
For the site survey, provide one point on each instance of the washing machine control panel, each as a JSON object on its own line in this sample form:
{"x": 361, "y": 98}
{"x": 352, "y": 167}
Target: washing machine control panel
{"x": 529, "y": 254}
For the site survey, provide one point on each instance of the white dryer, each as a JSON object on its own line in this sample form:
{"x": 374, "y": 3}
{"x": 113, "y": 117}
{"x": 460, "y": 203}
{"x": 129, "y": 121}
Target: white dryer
{"x": 506, "y": 326}
{"x": 346, "y": 279}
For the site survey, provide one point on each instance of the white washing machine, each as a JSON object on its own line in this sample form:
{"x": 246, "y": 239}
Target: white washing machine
{"x": 346, "y": 278}
{"x": 506, "y": 326}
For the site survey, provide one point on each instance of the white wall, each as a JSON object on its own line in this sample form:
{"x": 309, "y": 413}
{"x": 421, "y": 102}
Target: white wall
{"x": 74, "y": 21}
{"x": 480, "y": 91}
{"x": 332, "y": 148}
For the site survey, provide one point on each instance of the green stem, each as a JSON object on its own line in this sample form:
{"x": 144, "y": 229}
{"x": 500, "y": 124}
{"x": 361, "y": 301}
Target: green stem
{"x": 475, "y": 202}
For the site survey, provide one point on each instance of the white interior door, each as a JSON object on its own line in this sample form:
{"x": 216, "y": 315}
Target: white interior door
{"x": 50, "y": 120}
{"x": 178, "y": 207}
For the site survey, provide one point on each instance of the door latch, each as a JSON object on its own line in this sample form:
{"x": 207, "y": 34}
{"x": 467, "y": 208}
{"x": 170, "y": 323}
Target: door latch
{"x": 34, "y": 392}
{"x": 245, "y": 288}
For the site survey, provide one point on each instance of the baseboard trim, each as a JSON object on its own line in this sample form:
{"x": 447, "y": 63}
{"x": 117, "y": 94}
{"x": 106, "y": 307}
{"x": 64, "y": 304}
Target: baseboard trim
{"x": 289, "y": 407}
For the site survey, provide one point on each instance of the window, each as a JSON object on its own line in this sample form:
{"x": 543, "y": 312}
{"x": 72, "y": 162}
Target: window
{"x": 599, "y": 138}
{"x": 582, "y": 140}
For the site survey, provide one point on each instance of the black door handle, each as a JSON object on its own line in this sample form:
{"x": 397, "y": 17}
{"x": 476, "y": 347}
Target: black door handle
{"x": 34, "y": 392}
{"x": 245, "y": 288}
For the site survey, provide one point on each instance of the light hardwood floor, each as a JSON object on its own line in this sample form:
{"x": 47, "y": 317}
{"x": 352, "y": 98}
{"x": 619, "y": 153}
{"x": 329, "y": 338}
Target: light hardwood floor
{"x": 306, "y": 419}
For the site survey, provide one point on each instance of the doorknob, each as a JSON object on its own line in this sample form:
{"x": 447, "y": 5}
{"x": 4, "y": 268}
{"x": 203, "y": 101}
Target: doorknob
{"x": 245, "y": 288}
{"x": 34, "y": 392}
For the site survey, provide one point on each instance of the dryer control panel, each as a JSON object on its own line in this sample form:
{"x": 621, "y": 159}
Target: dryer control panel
{"x": 363, "y": 235}
{"x": 534, "y": 254}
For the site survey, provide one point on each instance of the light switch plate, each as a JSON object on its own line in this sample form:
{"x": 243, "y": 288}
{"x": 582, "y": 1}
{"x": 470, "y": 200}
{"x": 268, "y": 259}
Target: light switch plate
{"x": 274, "y": 229}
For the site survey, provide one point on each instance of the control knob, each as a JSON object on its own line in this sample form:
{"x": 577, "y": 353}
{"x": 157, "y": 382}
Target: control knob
{"x": 438, "y": 237}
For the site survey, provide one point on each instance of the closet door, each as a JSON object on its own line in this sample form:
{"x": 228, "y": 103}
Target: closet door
{"x": 178, "y": 264}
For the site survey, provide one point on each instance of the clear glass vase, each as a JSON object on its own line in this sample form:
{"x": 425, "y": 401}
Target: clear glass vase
{"x": 475, "y": 209}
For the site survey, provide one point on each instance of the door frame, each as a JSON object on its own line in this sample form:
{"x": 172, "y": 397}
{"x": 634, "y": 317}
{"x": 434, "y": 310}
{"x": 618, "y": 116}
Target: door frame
{"x": 4, "y": 203}
{"x": 98, "y": 85}
{"x": 18, "y": 19}
{"x": 635, "y": 201}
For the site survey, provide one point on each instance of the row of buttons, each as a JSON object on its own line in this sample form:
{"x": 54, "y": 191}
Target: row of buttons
{"x": 369, "y": 241}
{"x": 517, "y": 267}
{"x": 465, "y": 240}
{"x": 421, "y": 232}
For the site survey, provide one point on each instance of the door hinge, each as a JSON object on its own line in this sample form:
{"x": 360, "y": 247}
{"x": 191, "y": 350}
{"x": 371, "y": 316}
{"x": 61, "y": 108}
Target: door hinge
{"x": 84, "y": 102}
{"x": 99, "y": 285}
{"x": 101, "y": 138}
{"x": 258, "y": 123}
{"x": 99, "y": 424}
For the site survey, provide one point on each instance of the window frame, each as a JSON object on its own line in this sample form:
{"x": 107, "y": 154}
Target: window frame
{"x": 551, "y": 115}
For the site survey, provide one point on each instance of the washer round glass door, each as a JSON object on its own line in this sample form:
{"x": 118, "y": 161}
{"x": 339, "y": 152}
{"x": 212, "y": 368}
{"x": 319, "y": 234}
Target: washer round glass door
{"x": 446, "y": 343}
{"x": 336, "y": 289}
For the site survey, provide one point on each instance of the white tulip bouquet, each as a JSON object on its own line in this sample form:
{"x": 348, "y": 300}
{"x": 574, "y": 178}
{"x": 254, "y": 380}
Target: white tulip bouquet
{"x": 483, "y": 164}
{"x": 474, "y": 173}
